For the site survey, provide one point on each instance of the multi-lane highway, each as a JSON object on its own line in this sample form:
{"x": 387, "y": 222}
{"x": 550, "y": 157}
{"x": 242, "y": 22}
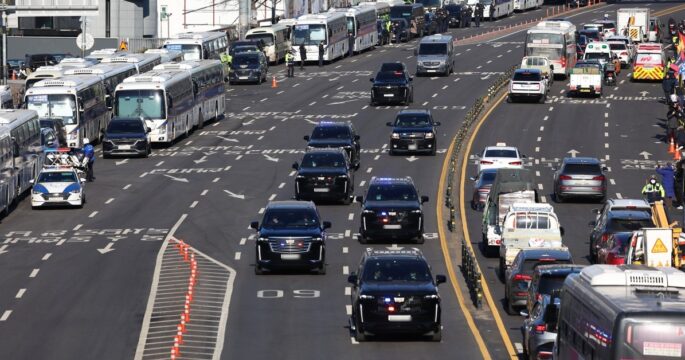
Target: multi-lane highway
{"x": 76, "y": 283}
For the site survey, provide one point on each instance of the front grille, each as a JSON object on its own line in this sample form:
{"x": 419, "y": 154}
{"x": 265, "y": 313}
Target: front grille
{"x": 124, "y": 141}
{"x": 413, "y": 135}
{"x": 290, "y": 245}
{"x": 431, "y": 63}
{"x": 60, "y": 196}
{"x": 410, "y": 304}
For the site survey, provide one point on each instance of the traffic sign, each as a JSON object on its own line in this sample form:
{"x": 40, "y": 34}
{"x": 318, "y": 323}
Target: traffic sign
{"x": 123, "y": 46}
{"x": 659, "y": 247}
{"x": 85, "y": 42}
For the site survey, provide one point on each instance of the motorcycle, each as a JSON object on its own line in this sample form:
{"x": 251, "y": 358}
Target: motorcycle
{"x": 610, "y": 75}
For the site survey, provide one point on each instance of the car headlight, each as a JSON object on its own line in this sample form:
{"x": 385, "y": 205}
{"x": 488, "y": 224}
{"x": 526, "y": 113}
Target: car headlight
{"x": 368, "y": 211}
{"x": 300, "y": 176}
{"x": 431, "y": 296}
{"x": 262, "y": 239}
{"x": 344, "y": 177}
{"x": 366, "y": 297}
{"x": 317, "y": 239}
{"x": 429, "y": 135}
{"x": 395, "y": 135}
{"x": 75, "y": 191}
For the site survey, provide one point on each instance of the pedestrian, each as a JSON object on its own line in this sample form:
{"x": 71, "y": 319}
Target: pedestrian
{"x": 679, "y": 184}
{"x": 469, "y": 17}
{"x": 479, "y": 14}
{"x": 89, "y": 159}
{"x": 673, "y": 118}
{"x": 652, "y": 190}
{"x": 321, "y": 52}
{"x": 350, "y": 42}
{"x": 387, "y": 27}
{"x": 396, "y": 29}
{"x": 290, "y": 63}
{"x": 667, "y": 178}
{"x": 668, "y": 84}
{"x": 303, "y": 56}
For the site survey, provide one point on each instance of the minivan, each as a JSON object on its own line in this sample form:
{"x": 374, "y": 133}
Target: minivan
{"x": 435, "y": 54}
{"x": 126, "y": 136}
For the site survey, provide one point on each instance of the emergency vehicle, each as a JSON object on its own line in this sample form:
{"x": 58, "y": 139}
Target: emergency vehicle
{"x": 650, "y": 62}
{"x": 60, "y": 181}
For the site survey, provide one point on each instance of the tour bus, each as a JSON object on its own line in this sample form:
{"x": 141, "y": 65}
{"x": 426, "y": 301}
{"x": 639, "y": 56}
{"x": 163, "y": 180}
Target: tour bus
{"x": 42, "y": 73}
{"x": 166, "y": 55}
{"x": 622, "y": 312}
{"x": 101, "y": 54}
{"x": 111, "y": 74}
{"x": 382, "y": 8}
{"x": 414, "y": 14}
{"x": 313, "y": 29}
{"x": 276, "y": 40}
{"x": 142, "y": 62}
{"x": 163, "y": 98}
{"x": 523, "y": 5}
{"x": 199, "y": 45}
{"x": 6, "y": 99}
{"x": 555, "y": 40}
{"x": 208, "y": 87}
{"x": 493, "y": 9}
{"x": 361, "y": 22}
{"x": 78, "y": 100}
{"x": 20, "y": 154}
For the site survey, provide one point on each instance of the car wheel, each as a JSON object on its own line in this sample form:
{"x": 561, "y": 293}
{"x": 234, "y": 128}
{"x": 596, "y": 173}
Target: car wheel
{"x": 359, "y": 334}
{"x": 105, "y": 156}
{"x": 433, "y": 151}
{"x": 420, "y": 239}
{"x": 510, "y": 309}
{"x": 558, "y": 198}
{"x": 509, "y": 99}
{"x": 437, "y": 335}
{"x": 347, "y": 200}
{"x": 501, "y": 269}
{"x": 543, "y": 97}
{"x": 258, "y": 270}
{"x": 593, "y": 256}
{"x": 391, "y": 152}
{"x": 363, "y": 239}
{"x": 321, "y": 270}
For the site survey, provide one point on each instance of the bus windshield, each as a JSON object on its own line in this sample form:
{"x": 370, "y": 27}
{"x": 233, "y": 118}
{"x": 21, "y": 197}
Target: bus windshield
{"x": 190, "y": 52}
{"x": 267, "y": 39}
{"x": 548, "y": 52}
{"x": 350, "y": 24}
{"x": 59, "y": 106}
{"x": 309, "y": 34}
{"x": 148, "y": 104}
{"x": 652, "y": 339}
{"x": 401, "y": 12}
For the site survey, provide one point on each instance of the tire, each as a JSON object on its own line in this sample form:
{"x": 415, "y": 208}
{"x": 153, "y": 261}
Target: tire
{"x": 500, "y": 269}
{"x": 593, "y": 256}
{"x": 509, "y": 99}
{"x": 543, "y": 97}
{"x": 437, "y": 335}
{"x": 558, "y": 198}
{"x": 347, "y": 200}
{"x": 321, "y": 270}
{"x": 434, "y": 151}
{"x": 510, "y": 309}
{"x": 258, "y": 270}
{"x": 359, "y": 335}
{"x": 420, "y": 240}
{"x": 363, "y": 239}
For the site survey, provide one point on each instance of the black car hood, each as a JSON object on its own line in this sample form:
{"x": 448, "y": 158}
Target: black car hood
{"x": 322, "y": 171}
{"x": 116, "y": 136}
{"x": 390, "y": 288}
{"x": 400, "y": 129}
{"x": 294, "y": 232}
{"x": 334, "y": 143}
{"x": 399, "y": 205}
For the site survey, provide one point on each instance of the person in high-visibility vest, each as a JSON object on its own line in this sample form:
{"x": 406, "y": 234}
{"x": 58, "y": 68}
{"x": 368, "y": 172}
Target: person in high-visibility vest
{"x": 290, "y": 63}
{"x": 226, "y": 59}
{"x": 653, "y": 190}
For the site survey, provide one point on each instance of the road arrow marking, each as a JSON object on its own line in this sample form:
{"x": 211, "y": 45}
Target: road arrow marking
{"x": 644, "y": 93}
{"x": 121, "y": 162}
{"x": 645, "y": 154}
{"x": 248, "y": 122}
{"x": 176, "y": 178}
{"x": 107, "y": 248}
{"x": 227, "y": 139}
{"x": 573, "y": 152}
{"x": 270, "y": 158}
{"x": 412, "y": 158}
{"x": 234, "y": 195}
{"x": 201, "y": 160}
{"x": 394, "y": 247}
{"x": 2, "y": 249}
{"x": 209, "y": 153}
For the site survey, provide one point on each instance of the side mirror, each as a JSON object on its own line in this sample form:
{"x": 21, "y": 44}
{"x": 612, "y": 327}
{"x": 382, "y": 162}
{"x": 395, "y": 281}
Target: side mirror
{"x": 437, "y": 123}
{"x": 551, "y": 67}
{"x": 424, "y": 199}
{"x": 524, "y": 157}
{"x": 604, "y": 168}
{"x": 296, "y": 166}
{"x": 359, "y": 199}
{"x": 254, "y": 225}
{"x": 388, "y": 123}
{"x": 148, "y": 130}
{"x": 306, "y": 138}
{"x": 472, "y": 178}
{"x": 102, "y": 131}
{"x": 440, "y": 279}
{"x": 371, "y": 79}
{"x": 352, "y": 279}
{"x": 523, "y": 313}
{"x": 108, "y": 102}
{"x": 411, "y": 78}
{"x": 327, "y": 225}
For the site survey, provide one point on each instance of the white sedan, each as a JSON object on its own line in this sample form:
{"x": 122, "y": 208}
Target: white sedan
{"x": 58, "y": 186}
{"x": 500, "y": 156}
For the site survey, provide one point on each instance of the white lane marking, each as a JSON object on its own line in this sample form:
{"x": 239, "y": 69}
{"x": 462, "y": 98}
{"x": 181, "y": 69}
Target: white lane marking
{"x": 34, "y": 272}
{"x": 606, "y": 157}
{"x": 325, "y": 96}
{"x": 7, "y": 314}
{"x": 238, "y": 157}
{"x": 204, "y": 192}
{"x": 237, "y": 255}
{"x": 545, "y": 118}
{"x": 346, "y": 270}
{"x": 376, "y": 157}
{"x": 194, "y": 204}
{"x": 551, "y": 108}
{"x": 281, "y": 185}
{"x": 362, "y": 183}
{"x": 159, "y": 163}
{"x": 92, "y": 215}
{"x": 364, "y": 107}
{"x": 606, "y": 134}
{"x": 350, "y": 216}
{"x": 542, "y": 128}
{"x": 540, "y": 187}
{"x": 215, "y": 180}
{"x": 263, "y": 100}
{"x": 348, "y": 309}
{"x": 340, "y": 88}
{"x": 384, "y": 146}
{"x": 543, "y": 199}
{"x": 539, "y": 138}
{"x": 273, "y": 196}
{"x": 20, "y": 293}
{"x": 348, "y": 291}
{"x": 445, "y": 87}
{"x": 612, "y": 181}
{"x": 296, "y": 85}
{"x": 435, "y": 95}
{"x": 243, "y": 241}
{"x": 280, "y": 92}
{"x": 109, "y": 201}
{"x": 353, "y": 340}
{"x": 368, "y": 171}
{"x": 537, "y": 149}
{"x": 608, "y": 168}
{"x": 606, "y": 124}
{"x": 537, "y": 173}
{"x": 345, "y": 249}
{"x": 77, "y": 227}
{"x": 292, "y": 173}
{"x": 424, "y": 103}
{"x": 127, "y": 186}
{"x": 606, "y": 114}
{"x": 608, "y": 105}
{"x": 489, "y": 61}
{"x": 246, "y": 108}
{"x": 479, "y": 66}
{"x": 46, "y": 256}
{"x": 618, "y": 195}
{"x": 261, "y": 211}
{"x": 347, "y": 233}
{"x": 457, "y": 79}
{"x": 519, "y": 348}
{"x": 312, "y": 103}
{"x": 272, "y": 128}
{"x": 143, "y": 174}
{"x": 606, "y": 145}
{"x": 189, "y": 142}
{"x": 260, "y": 137}
{"x": 561, "y": 91}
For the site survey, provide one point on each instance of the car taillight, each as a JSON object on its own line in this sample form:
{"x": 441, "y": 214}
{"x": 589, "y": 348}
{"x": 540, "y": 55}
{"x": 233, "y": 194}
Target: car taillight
{"x": 563, "y": 62}
{"x": 391, "y": 308}
{"x": 522, "y": 277}
{"x": 600, "y": 177}
{"x": 485, "y": 162}
{"x": 564, "y": 177}
{"x": 515, "y": 163}
{"x": 544, "y": 355}
{"x": 540, "y": 328}
{"x": 614, "y": 259}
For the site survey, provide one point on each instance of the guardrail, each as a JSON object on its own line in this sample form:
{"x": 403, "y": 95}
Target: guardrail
{"x": 469, "y": 266}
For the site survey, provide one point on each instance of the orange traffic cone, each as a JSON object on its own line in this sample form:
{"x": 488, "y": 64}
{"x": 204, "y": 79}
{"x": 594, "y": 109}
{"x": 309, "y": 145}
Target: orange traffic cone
{"x": 274, "y": 83}
{"x": 671, "y": 146}
{"x": 14, "y": 75}
{"x": 677, "y": 156}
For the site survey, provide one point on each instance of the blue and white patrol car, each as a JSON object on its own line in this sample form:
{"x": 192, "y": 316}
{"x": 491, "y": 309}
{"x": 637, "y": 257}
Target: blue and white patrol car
{"x": 58, "y": 186}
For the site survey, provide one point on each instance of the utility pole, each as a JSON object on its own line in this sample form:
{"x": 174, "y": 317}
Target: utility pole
{"x": 5, "y": 10}
{"x": 273, "y": 11}
{"x": 243, "y": 16}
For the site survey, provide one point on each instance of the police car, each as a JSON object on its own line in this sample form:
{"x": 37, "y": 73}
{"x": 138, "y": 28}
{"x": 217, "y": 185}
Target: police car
{"x": 500, "y": 156}
{"x": 58, "y": 186}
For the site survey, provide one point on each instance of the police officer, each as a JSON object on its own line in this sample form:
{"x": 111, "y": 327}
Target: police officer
{"x": 322, "y": 48}
{"x": 350, "y": 44}
{"x": 303, "y": 56}
{"x": 397, "y": 31}
{"x": 387, "y": 28}
{"x": 226, "y": 59}
{"x": 290, "y": 63}
{"x": 469, "y": 16}
{"x": 479, "y": 14}
{"x": 653, "y": 190}
{"x": 89, "y": 159}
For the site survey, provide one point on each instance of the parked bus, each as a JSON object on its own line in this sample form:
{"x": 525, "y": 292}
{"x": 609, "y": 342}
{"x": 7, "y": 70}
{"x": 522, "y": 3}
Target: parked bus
{"x": 622, "y": 312}
{"x": 361, "y": 23}
{"x": 523, "y": 5}
{"x": 313, "y": 29}
{"x": 413, "y": 13}
{"x": 111, "y": 74}
{"x": 164, "y": 98}
{"x": 42, "y": 73}
{"x": 275, "y": 38}
{"x": 382, "y": 8}
{"x": 20, "y": 154}
{"x": 208, "y": 87}
{"x": 100, "y": 54}
{"x": 77, "y": 100}
{"x": 200, "y": 45}
{"x": 142, "y": 62}
{"x": 166, "y": 55}
{"x": 555, "y": 40}
{"x": 493, "y": 9}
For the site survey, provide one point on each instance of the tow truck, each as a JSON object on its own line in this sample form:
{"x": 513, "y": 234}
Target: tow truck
{"x": 661, "y": 246}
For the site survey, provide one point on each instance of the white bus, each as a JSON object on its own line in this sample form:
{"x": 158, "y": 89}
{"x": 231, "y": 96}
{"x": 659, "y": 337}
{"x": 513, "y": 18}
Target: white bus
{"x": 361, "y": 22}
{"x": 493, "y": 9}
{"x": 79, "y": 101}
{"x": 622, "y": 312}
{"x": 313, "y": 29}
{"x": 208, "y": 87}
{"x": 142, "y": 62}
{"x": 166, "y": 54}
{"x": 276, "y": 40}
{"x": 555, "y": 40}
{"x": 73, "y": 62}
{"x": 523, "y": 5}
{"x": 20, "y": 154}
{"x": 42, "y": 73}
{"x": 382, "y": 8}
{"x": 111, "y": 74}
{"x": 164, "y": 98}
{"x": 100, "y": 54}
{"x": 200, "y": 45}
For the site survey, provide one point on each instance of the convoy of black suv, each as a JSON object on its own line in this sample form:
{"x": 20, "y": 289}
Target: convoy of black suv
{"x": 331, "y": 134}
{"x": 324, "y": 174}
{"x": 413, "y": 131}
{"x": 392, "y": 84}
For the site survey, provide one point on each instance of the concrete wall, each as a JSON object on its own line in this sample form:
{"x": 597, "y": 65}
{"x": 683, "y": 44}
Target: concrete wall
{"x": 18, "y": 47}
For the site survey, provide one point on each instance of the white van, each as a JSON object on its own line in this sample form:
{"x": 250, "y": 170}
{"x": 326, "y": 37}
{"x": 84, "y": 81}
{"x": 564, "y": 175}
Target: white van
{"x": 599, "y": 50}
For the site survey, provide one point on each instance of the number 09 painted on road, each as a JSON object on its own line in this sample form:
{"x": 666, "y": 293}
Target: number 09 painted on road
{"x": 277, "y": 294}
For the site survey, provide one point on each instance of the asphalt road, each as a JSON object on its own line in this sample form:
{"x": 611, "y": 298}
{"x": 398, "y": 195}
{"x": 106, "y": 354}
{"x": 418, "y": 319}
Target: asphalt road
{"x": 66, "y": 294}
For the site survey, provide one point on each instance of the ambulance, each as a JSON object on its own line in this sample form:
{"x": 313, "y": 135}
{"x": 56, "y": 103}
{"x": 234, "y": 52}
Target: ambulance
{"x": 650, "y": 62}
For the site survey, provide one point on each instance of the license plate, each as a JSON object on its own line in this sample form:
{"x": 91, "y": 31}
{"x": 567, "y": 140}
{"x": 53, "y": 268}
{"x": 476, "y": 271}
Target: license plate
{"x": 321, "y": 190}
{"x": 388, "y": 95}
{"x": 242, "y": 78}
{"x": 392, "y": 227}
{"x": 124, "y": 147}
{"x": 290, "y": 256}
{"x": 431, "y": 70}
{"x": 399, "y": 318}
{"x": 585, "y": 90}
{"x": 412, "y": 147}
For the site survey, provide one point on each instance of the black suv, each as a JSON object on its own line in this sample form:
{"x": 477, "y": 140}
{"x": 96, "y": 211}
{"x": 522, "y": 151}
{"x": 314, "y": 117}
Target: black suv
{"x": 393, "y": 86}
{"x": 324, "y": 174}
{"x": 336, "y": 134}
{"x": 248, "y": 67}
{"x": 413, "y": 131}
{"x": 126, "y": 136}
{"x": 291, "y": 236}
{"x": 394, "y": 292}
{"x": 391, "y": 210}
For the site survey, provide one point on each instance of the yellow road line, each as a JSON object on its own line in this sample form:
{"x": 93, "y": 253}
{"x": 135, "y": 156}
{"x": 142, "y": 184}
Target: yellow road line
{"x": 448, "y": 260}
{"x": 462, "y": 209}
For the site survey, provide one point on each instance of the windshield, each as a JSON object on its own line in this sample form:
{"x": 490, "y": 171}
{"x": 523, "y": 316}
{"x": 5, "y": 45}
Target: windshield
{"x": 598, "y": 56}
{"x": 322, "y": 160}
{"x": 648, "y": 59}
{"x": 390, "y": 76}
{"x": 532, "y": 221}
{"x": 401, "y": 12}
{"x": 432, "y": 49}
{"x": 148, "y": 104}
{"x": 125, "y": 127}
{"x": 413, "y": 121}
{"x": 392, "y": 192}
{"x": 626, "y": 225}
{"x": 550, "y": 283}
{"x": 190, "y": 52}
{"x": 545, "y": 38}
{"x": 651, "y": 337}
{"x": 396, "y": 270}
{"x": 591, "y": 34}
{"x": 57, "y": 176}
{"x": 616, "y": 46}
{"x": 501, "y": 153}
{"x": 289, "y": 218}
{"x": 331, "y": 132}
{"x": 527, "y": 76}
{"x": 245, "y": 61}
{"x": 267, "y": 39}
{"x": 350, "y": 24}
{"x": 54, "y": 106}
{"x": 309, "y": 34}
